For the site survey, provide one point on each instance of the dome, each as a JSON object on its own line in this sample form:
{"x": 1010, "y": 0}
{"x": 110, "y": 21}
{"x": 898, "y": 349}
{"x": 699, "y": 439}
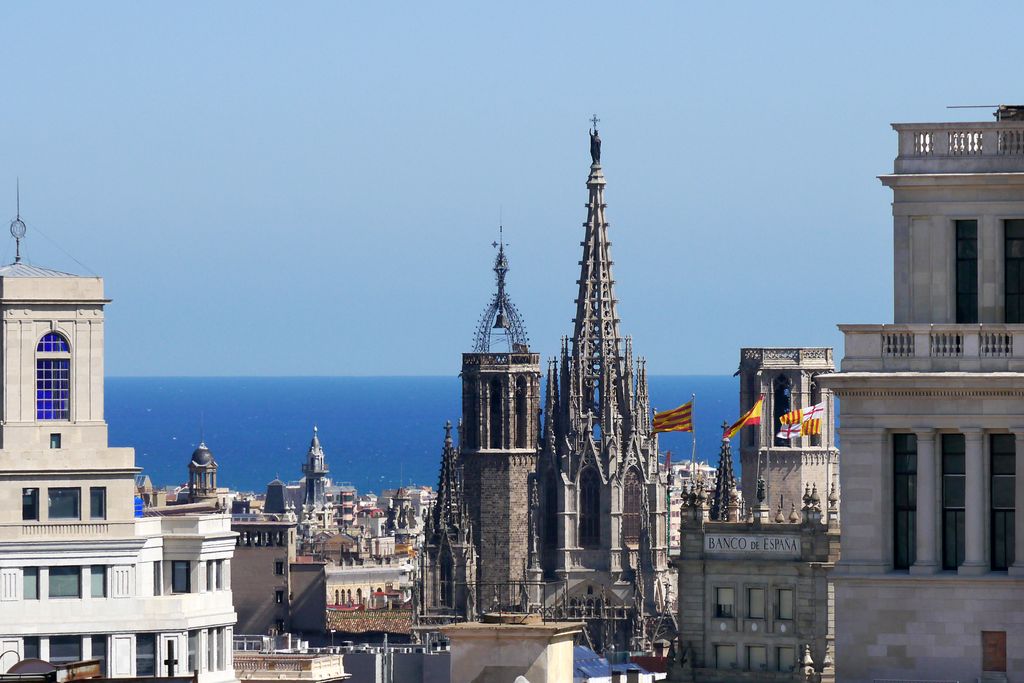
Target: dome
{"x": 202, "y": 455}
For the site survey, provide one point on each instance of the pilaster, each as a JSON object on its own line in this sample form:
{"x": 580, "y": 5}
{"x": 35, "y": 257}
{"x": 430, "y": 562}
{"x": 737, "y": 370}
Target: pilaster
{"x": 926, "y": 561}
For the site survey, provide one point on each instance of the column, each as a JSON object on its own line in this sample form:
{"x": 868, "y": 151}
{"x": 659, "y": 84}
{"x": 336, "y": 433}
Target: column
{"x": 974, "y": 504}
{"x": 1017, "y": 569}
{"x": 927, "y": 484}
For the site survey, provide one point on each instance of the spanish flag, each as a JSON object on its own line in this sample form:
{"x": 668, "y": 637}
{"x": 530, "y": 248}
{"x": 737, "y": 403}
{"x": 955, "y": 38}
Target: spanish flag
{"x": 751, "y": 417}
{"x": 678, "y": 420}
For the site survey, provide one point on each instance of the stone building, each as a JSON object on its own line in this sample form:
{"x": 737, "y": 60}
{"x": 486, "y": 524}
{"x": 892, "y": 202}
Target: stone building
{"x": 82, "y": 574}
{"x": 755, "y": 598}
{"x": 930, "y": 581}
{"x": 265, "y": 551}
{"x": 788, "y": 380}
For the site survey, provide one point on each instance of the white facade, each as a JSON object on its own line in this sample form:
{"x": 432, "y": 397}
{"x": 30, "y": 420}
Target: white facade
{"x": 928, "y": 586}
{"x": 80, "y": 576}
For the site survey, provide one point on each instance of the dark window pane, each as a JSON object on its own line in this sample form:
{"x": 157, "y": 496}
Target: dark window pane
{"x": 145, "y": 654}
{"x": 30, "y": 583}
{"x": 967, "y": 271}
{"x": 65, "y": 649}
{"x": 30, "y": 504}
{"x": 64, "y": 503}
{"x": 904, "y": 499}
{"x": 99, "y": 651}
{"x": 65, "y": 582}
{"x": 181, "y": 580}
{"x": 98, "y": 502}
{"x": 30, "y": 646}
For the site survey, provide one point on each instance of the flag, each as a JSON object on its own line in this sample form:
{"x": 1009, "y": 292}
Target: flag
{"x": 803, "y": 414}
{"x": 810, "y": 427}
{"x": 678, "y": 420}
{"x": 790, "y": 431}
{"x": 751, "y": 417}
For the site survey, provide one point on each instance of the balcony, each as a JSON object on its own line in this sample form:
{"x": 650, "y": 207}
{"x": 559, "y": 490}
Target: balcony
{"x": 982, "y": 347}
{"x": 978, "y": 147}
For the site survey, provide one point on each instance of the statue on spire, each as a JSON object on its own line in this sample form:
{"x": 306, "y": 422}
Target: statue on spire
{"x": 595, "y": 142}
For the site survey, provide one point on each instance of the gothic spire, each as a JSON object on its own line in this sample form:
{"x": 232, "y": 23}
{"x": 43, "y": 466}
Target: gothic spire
{"x": 501, "y": 319}
{"x": 447, "y": 513}
{"x": 725, "y": 481}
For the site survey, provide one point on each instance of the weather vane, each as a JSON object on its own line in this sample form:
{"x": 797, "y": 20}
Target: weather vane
{"x": 18, "y": 228}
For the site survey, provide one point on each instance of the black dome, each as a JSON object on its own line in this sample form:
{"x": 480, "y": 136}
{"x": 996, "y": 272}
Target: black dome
{"x": 202, "y": 455}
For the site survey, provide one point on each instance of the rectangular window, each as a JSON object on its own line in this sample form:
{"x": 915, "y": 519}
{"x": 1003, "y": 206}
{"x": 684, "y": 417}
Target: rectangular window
{"x": 757, "y": 658}
{"x": 786, "y": 658}
{"x": 64, "y": 503}
{"x": 785, "y": 603}
{"x": 219, "y": 574}
{"x": 279, "y": 567}
{"x": 65, "y": 582}
{"x": 1013, "y": 263}
{"x": 755, "y": 603}
{"x": 279, "y": 596}
{"x": 53, "y": 389}
{"x": 967, "y": 271}
{"x": 954, "y": 489}
{"x": 98, "y": 502}
{"x": 65, "y": 649}
{"x": 181, "y": 579}
{"x": 54, "y": 440}
{"x": 98, "y": 581}
{"x": 145, "y": 654}
{"x": 725, "y": 656}
{"x": 904, "y": 509}
{"x": 211, "y": 582}
{"x": 724, "y": 603}
{"x": 193, "y": 649}
{"x": 30, "y": 583}
{"x": 30, "y": 647}
{"x": 1003, "y": 470}
{"x": 220, "y": 649}
{"x": 158, "y": 578}
{"x": 210, "y": 649}
{"x": 99, "y": 651}
{"x": 29, "y": 504}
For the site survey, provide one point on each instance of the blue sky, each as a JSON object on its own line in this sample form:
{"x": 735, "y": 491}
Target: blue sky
{"x": 312, "y": 188}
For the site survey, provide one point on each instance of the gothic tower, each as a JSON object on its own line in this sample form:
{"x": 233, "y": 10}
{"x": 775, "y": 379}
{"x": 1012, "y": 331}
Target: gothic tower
{"x": 602, "y": 496}
{"x": 500, "y": 416}
{"x": 315, "y": 471}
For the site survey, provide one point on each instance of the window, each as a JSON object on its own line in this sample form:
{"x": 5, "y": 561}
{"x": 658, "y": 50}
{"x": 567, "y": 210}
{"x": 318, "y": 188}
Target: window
{"x": 757, "y": 658}
{"x": 220, "y": 649}
{"x": 632, "y": 493}
{"x": 210, "y": 649}
{"x": 590, "y": 508}
{"x": 1003, "y": 472}
{"x": 65, "y": 649}
{"x": 98, "y": 581}
{"x": 967, "y": 271}
{"x": 158, "y": 578}
{"x": 786, "y": 658}
{"x": 725, "y": 656}
{"x": 30, "y": 504}
{"x": 181, "y": 579}
{"x": 494, "y": 424}
{"x": 145, "y": 654}
{"x": 218, "y": 574}
{"x": 1013, "y": 244}
{"x": 279, "y": 596}
{"x": 53, "y": 378}
{"x": 279, "y": 567}
{"x": 193, "y": 649}
{"x": 30, "y": 583}
{"x": 724, "y": 603}
{"x": 755, "y": 603}
{"x": 523, "y": 416}
{"x": 30, "y": 647}
{"x": 782, "y": 403}
{"x": 785, "y": 603}
{"x": 54, "y": 440}
{"x": 954, "y": 482}
{"x": 99, "y": 651}
{"x": 64, "y": 503}
{"x": 65, "y": 582}
{"x": 904, "y": 508}
{"x": 211, "y": 582}
{"x": 98, "y": 502}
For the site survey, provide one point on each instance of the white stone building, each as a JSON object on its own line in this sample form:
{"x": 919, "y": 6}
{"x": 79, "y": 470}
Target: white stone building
{"x": 930, "y": 584}
{"x": 81, "y": 576}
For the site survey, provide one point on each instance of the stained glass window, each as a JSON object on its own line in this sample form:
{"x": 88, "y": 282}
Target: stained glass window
{"x": 590, "y": 508}
{"x": 632, "y": 492}
{"x": 53, "y": 378}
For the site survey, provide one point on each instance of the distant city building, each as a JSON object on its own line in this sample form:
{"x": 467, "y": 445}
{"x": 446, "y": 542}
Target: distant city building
{"x": 262, "y": 588}
{"x": 83, "y": 574}
{"x": 931, "y": 576}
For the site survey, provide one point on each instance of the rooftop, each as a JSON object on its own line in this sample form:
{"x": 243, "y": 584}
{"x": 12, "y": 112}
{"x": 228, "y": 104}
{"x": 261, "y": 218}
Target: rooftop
{"x": 19, "y": 269}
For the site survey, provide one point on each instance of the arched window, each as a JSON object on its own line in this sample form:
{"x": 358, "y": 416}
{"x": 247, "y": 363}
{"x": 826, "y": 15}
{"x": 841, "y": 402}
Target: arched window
{"x": 495, "y": 421}
{"x": 816, "y": 398}
{"x": 632, "y": 493}
{"x": 590, "y": 508}
{"x": 522, "y": 413}
{"x": 782, "y": 402}
{"x": 337, "y": 598}
{"x": 359, "y": 596}
{"x": 53, "y": 378}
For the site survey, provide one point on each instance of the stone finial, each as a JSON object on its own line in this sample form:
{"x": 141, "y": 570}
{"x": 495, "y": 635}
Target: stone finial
{"x": 794, "y": 516}
{"x": 815, "y": 498}
{"x": 807, "y": 496}
{"x": 779, "y": 517}
{"x": 833, "y": 497}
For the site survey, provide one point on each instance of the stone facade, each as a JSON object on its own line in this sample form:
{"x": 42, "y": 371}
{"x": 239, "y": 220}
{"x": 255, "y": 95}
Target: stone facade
{"x": 788, "y": 380}
{"x": 929, "y": 585}
{"x": 265, "y": 551}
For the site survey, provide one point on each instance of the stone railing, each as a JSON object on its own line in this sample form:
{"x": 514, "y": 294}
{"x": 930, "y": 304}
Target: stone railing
{"x": 501, "y": 359}
{"x": 786, "y": 356}
{"x": 934, "y": 348}
{"x": 960, "y": 147}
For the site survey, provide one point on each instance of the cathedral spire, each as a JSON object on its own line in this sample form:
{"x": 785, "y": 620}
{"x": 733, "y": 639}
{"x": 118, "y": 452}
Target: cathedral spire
{"x": 501, "y": 319}
{"x": 725, "y": 481}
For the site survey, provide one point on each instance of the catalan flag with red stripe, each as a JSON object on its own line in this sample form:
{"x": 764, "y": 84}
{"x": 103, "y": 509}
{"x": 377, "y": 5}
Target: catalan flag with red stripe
{"x": 751, "y": 417}
{"x": 677, "y": 420}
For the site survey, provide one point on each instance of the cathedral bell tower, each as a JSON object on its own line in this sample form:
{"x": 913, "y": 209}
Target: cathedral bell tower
{"x": 500, "y": 413}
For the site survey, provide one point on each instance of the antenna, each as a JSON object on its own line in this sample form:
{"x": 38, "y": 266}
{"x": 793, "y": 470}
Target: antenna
{"x": 18, "y": 228}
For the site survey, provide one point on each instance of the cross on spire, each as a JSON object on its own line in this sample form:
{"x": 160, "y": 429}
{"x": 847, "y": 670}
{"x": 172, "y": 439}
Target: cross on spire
{"x": 594, "y": 120}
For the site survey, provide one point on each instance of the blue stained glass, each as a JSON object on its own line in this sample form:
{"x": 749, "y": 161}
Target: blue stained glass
{"x": 53, "y": 342}
{"x": 53, "y": 389}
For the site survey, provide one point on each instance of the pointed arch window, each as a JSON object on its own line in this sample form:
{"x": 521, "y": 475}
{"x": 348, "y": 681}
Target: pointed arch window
{"x": 782, "y": 403}
{"x": 632, "y": 493}
{"x": 495, "y": 414}
{"x": 53, "y": 378}
{"x": 590, "y": 509}
{"x": 522, "y": 413}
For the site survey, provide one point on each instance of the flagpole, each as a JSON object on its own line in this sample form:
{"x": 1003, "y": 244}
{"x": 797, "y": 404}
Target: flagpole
{"x": 693, "y": 438}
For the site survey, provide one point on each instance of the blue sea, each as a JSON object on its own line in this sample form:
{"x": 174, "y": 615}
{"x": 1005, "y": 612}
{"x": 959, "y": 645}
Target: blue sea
{"x": 377, "y": 432}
